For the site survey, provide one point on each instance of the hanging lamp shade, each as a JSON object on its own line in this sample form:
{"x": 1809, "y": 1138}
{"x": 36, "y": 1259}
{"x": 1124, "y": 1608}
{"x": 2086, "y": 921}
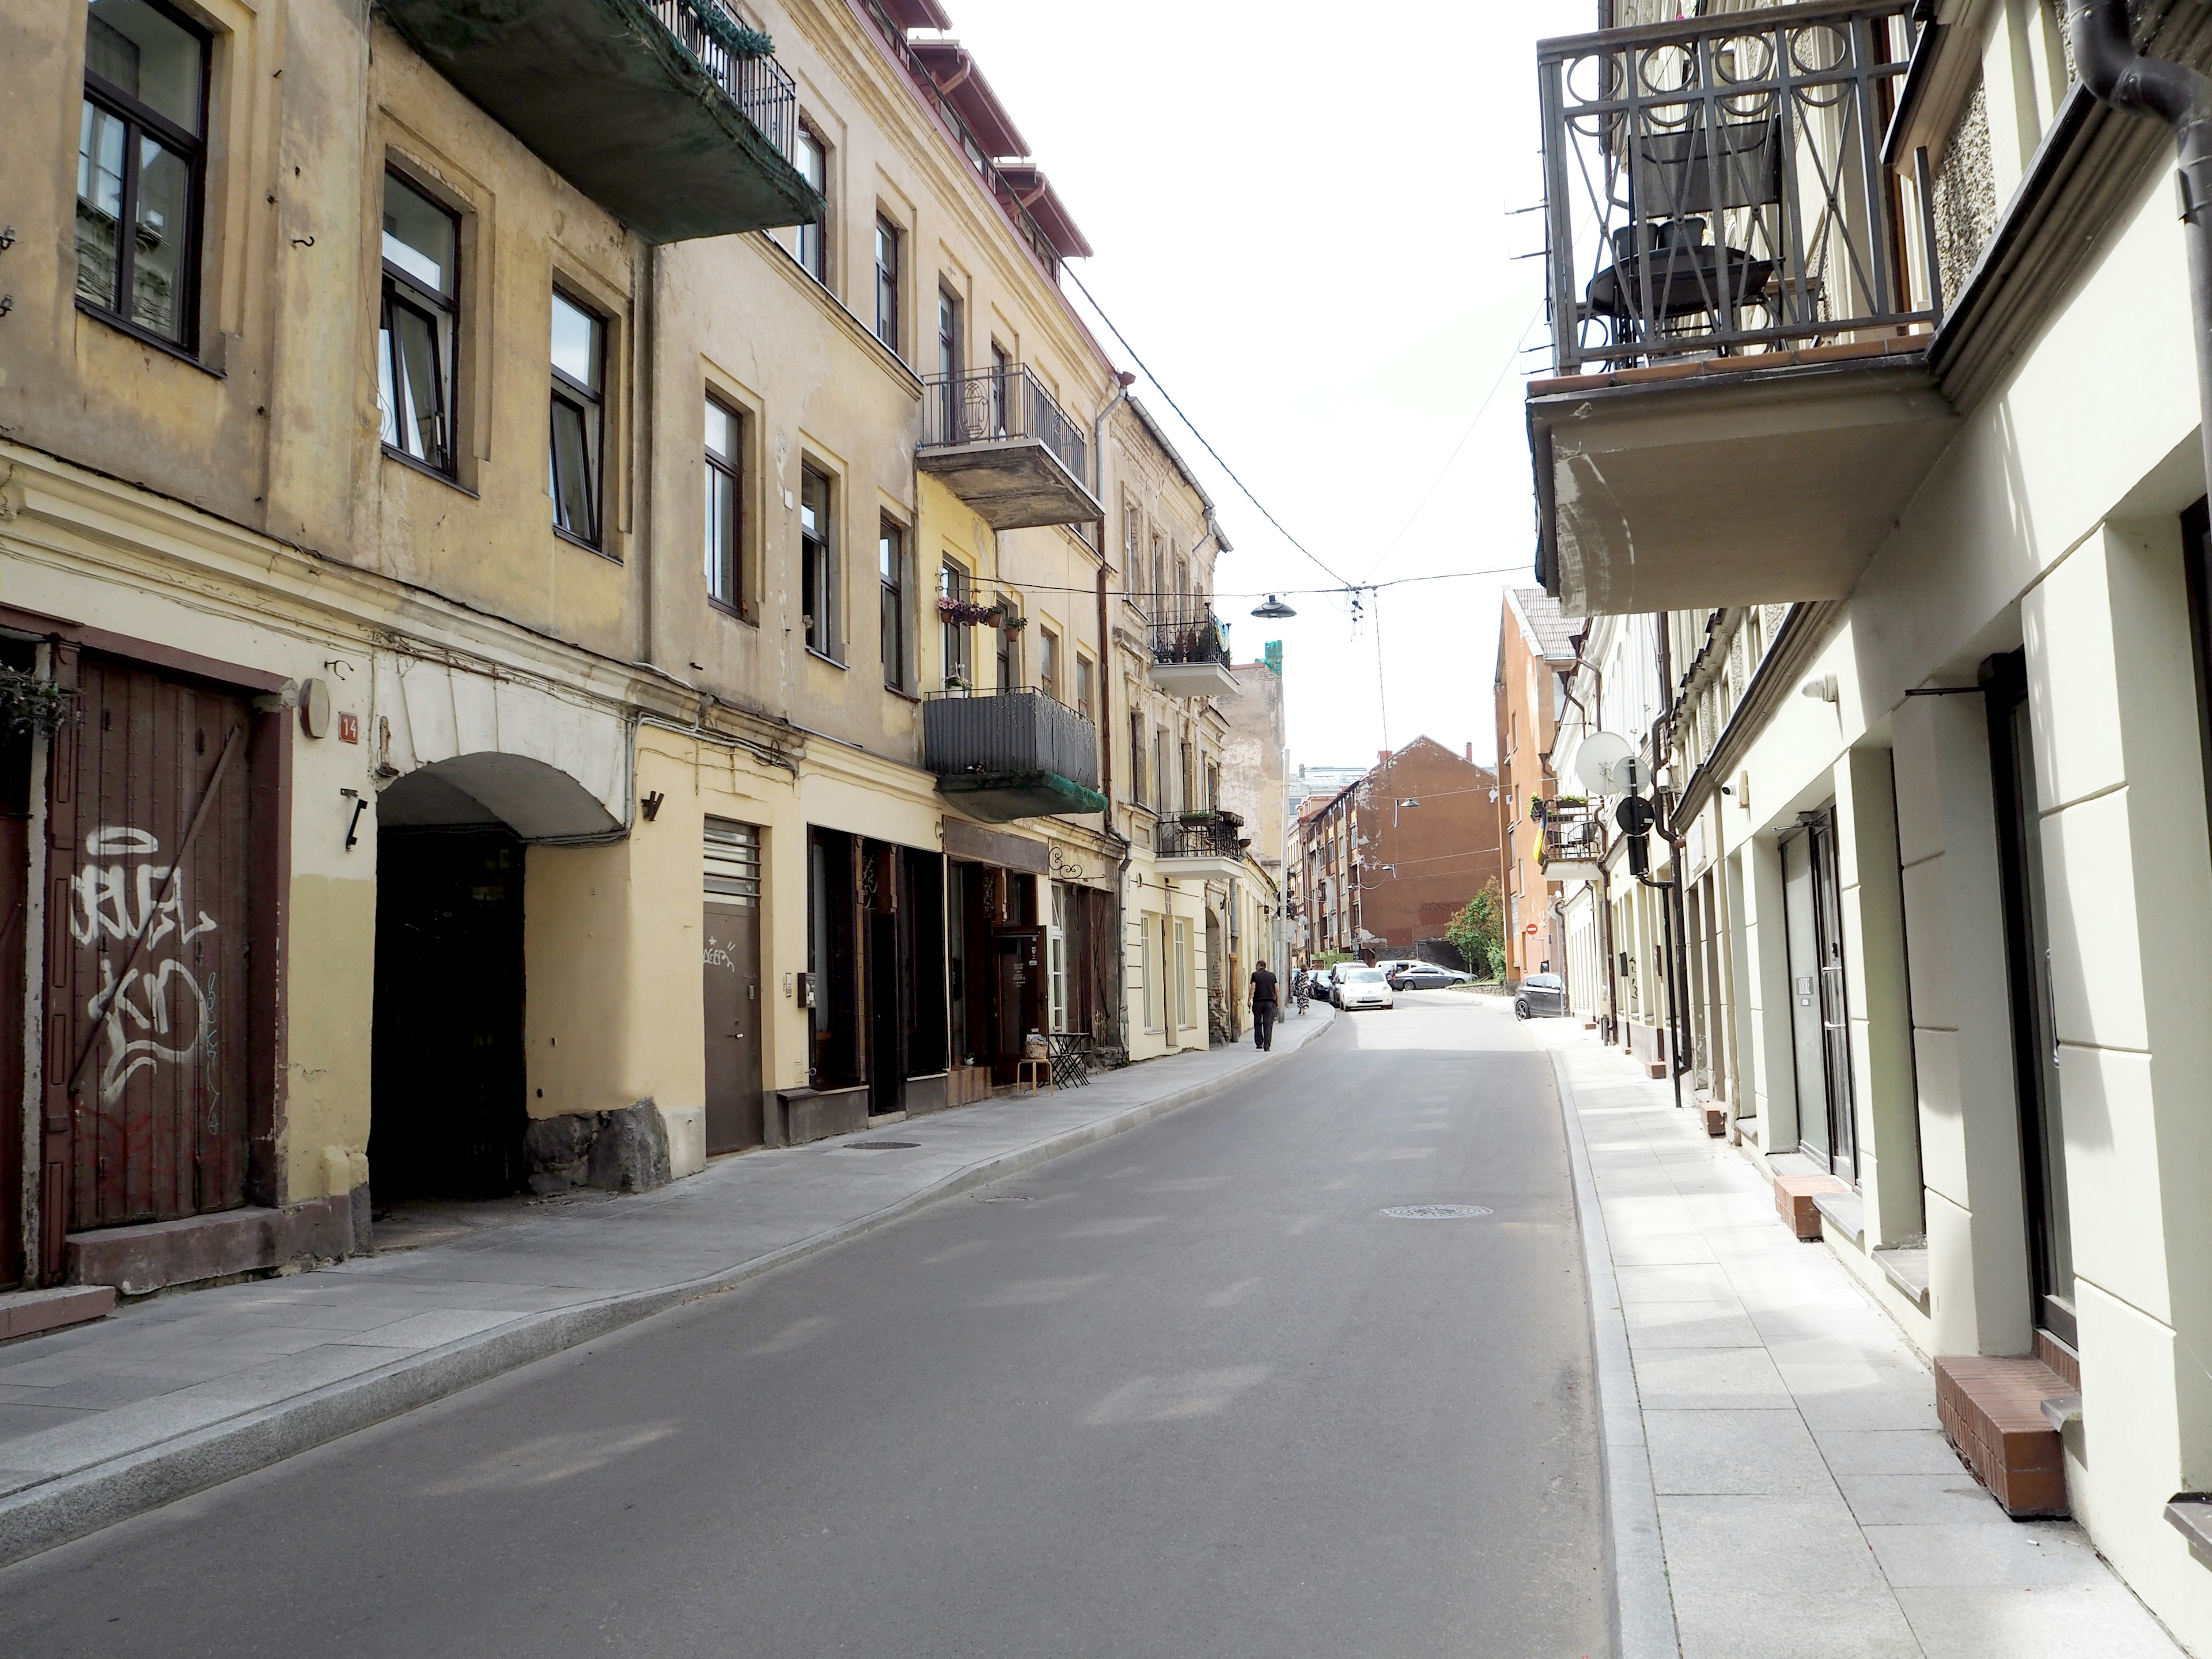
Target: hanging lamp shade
{"x": 1274, "y": 609}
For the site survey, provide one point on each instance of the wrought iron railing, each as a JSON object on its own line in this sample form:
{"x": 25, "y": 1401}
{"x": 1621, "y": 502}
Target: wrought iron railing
{"x": 1573, "y": 834}
{"x": 1011, "y": 730}
{"x": 757, "y": 84}
{"x": 1715, "y": 185}
{"x": 988, "y": 404}
{"x": 971, "y": 149}
{"x": 1201, "y": 836}
{"x": 1184, "y": 634}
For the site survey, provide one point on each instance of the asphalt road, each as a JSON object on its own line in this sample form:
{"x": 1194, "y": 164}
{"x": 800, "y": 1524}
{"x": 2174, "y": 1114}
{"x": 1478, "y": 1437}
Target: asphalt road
{"x": 1185, "y": 1393}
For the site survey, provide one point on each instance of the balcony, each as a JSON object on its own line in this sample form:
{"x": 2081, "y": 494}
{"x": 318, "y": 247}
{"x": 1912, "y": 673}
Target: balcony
{"x": 663, "y": 112}
{"x": 996, "y": 439}
{"x": 1209, "y": 844}
{"x": 1742, "y": 292}
{"x": 1573, "y": 848}
{"x": 1190, "y": 655}
{"x": 1006, "y": 755}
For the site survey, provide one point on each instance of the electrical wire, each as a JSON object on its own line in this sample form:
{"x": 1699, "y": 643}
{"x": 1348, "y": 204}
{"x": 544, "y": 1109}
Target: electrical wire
{"x": 1193, "y": 425}
{"x": 1294, "y": 593}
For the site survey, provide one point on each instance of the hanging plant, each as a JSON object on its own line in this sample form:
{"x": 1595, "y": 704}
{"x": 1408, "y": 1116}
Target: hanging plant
{"x": 965, "y": 610}
{"x": 1013, "y": 623}
{"x": 28, "y": 703}
{"x": 730, "y": 34}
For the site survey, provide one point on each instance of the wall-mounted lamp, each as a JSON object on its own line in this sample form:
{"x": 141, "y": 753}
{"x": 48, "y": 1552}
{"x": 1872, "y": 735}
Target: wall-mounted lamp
{"x": 1822, "y": 687}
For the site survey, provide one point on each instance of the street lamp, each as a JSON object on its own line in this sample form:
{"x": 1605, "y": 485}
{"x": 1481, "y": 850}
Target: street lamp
{"x": 1273, "y": 609}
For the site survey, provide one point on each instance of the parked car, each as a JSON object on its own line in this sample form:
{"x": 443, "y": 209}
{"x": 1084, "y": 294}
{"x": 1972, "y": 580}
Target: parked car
{"x": 1539, "y": 996}
{"x": 1424, "y": 976}
{"x": 1324, "y": 981}
{"x": 1363, "y": 987}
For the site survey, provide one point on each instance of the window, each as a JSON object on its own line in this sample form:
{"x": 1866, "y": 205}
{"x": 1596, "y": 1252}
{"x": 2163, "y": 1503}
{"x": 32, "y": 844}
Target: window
{"x": 415, "y": 343}
{"x": 952, "y": 584}
{"x": 1056, "y": 959}
{"x": 1082, "y": 687}
{"x": 1002, "y": 375}
{"x": 139, "y": 161}
{"x": 948, "y": 333}
{"x": 817, "y": 572}
{"x": 891, "y": 571}
{"x": 579, "y": 350}
{"x": 1049, "y": 664}
{"x": 1213, "y": 788}
{"x": 1182, "y": 985}
{"x": 1148, "y": 970}
{"x": 1159, "y": 576}
{"x": 887, "y": 282}
{"x": 1159, "y": 771}
{"x": 1132, "y": 532}
{"x": 1009, "y": 649}
{"x": 811, "y": 158}
{"x": 725, "y": 504}
{"x": 1136, "y": 758}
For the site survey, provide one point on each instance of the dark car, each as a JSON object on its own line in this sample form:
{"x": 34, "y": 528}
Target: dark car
{"x": 1424, "y": 976}
{"x": 1539, "y": 996}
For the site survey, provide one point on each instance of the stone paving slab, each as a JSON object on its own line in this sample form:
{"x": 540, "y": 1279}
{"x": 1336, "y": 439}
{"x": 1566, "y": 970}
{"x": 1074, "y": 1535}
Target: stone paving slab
{"x": 1807, "y": 1505}
{"x": 103, "y": 1421}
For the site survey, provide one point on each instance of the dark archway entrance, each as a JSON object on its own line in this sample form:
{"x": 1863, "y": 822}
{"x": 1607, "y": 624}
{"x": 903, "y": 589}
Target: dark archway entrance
{"x": 446, "y": 1084}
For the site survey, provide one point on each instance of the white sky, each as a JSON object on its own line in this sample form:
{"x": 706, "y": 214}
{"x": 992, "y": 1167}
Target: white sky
{"x": 1302, "y": 218}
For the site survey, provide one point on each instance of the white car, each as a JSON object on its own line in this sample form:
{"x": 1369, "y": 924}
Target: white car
{"x": 1363, "y": 987}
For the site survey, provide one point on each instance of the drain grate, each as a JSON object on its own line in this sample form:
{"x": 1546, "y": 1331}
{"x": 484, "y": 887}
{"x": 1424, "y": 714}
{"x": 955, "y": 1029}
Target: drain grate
{"x": 1434, "y": 1212}
{"x": 881, "y": 1145}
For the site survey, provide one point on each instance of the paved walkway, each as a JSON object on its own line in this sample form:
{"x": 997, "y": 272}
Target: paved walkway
{"x": 188, "y": 1389}
{"x": 1784, "y": 1431}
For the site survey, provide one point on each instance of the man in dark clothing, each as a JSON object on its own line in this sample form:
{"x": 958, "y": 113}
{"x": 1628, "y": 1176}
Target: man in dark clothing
{"x": 1263, "y": 1008}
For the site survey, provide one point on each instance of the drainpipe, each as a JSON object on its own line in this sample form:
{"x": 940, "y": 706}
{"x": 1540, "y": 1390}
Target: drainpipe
{"x": 2115, "y": 72}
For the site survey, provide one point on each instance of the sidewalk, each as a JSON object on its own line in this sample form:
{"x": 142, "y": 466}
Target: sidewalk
{"x": 1777, "y": 1483}
{"x": 105, "y": 1421}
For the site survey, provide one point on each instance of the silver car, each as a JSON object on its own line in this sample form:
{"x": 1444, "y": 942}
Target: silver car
{"x": 1363, "y": 987}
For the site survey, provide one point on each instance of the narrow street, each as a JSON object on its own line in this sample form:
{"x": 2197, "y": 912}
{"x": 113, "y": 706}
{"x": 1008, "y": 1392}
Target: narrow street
{"x": 1188, "y": 1392}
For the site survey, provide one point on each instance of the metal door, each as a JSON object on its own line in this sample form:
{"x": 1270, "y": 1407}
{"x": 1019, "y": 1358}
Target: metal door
{"x": 1808, "y": 1070}
{"x": 148, "y": 930}
{"x": 732, "y": 987}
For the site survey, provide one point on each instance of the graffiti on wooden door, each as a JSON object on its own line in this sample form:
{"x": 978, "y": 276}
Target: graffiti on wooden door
{"x": 160, "y": 1011}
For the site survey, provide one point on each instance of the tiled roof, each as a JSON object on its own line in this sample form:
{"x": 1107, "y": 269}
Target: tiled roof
{"x": 1551, "y": 633}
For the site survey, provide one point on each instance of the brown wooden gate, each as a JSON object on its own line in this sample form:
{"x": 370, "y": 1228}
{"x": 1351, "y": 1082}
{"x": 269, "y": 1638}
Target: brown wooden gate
{"x": 730, "y": 971}
{"x": 147, "y": 1056}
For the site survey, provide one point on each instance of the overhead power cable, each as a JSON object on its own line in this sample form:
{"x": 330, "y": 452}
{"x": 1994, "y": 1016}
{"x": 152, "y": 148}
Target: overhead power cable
{"x": 1169, "y": 398}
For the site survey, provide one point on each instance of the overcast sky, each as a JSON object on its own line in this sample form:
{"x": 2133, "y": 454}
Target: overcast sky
{"x": 1303, "y": 219}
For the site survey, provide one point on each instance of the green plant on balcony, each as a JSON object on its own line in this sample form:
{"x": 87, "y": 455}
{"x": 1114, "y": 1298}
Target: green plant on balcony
{"x": 733, "y": 37}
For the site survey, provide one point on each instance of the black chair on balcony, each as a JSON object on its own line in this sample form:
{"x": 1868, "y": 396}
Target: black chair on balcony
{"x": 1664, "y": 268}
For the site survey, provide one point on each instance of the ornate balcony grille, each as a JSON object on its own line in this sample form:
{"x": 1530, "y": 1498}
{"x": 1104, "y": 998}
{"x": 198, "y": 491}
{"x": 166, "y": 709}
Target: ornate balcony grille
{"x": 1715, "y": 186}
{"x": 1184, "y": 633}
{"x": 986, "y": 405}
{"x": 1573, "y": 834}
{"x": 757, "y": 84}
{"x": 1201, "y": 836}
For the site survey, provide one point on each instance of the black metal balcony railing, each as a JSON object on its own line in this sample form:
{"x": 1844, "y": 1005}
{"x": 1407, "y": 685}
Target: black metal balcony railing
{"x": 1573, "y": 834}
{"x": 995, "y": 733}
{"x": 1715, "y": 185}
{"x": 757, "y": 84}
{"x": 970, "y": 147}
{"x": 1199, "y": 835}
{"x": 1184, "y": 635}
{"x": 988, "y": 404}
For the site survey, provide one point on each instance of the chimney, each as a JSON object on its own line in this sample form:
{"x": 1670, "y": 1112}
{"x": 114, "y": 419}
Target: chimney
{"x": 1470, "y": 754}
{"x": 1381, "y": 758}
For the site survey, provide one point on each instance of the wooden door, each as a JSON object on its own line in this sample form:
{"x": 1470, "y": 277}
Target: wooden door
{"x": 148, "y": 1059}
{"x": 731, "y": 975}
{"x": 1018, "y": 956}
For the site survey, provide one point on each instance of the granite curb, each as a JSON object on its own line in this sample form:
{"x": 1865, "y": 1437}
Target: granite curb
{"x": 1642, "y": 1596}
{"x": 132, "y": 1482}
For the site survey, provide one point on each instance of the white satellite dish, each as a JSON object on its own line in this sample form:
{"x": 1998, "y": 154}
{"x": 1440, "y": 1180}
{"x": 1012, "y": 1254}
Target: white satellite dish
{"x": 1595, "y": 761}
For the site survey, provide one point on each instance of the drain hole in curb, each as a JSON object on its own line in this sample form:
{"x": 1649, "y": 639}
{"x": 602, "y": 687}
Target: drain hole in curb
{"x": 1006, "y": 1198}
{"x": 881, "y": 1145}
{"x": 1435, "y": 1212}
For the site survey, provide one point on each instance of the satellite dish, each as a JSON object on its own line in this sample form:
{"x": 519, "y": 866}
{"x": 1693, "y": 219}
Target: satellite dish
{"x": 1595, "y": 761}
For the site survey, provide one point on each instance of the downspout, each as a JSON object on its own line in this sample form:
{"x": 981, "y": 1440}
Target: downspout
{"x": 1677, "y": 925}
{"x": 1117, "y": 1002}
{"x": 2115, "y": 72}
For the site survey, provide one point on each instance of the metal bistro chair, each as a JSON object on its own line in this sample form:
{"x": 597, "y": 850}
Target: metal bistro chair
{"x": 1071, "y": 1060}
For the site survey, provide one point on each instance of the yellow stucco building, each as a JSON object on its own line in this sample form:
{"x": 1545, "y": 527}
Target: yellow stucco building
{"x": 606, "y": 610}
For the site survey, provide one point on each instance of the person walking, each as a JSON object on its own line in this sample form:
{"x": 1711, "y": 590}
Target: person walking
{"x": 1263, "y": 1008}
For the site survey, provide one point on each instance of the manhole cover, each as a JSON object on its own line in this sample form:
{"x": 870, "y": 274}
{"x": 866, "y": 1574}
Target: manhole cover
{"x": 881, "y": 1145}
{"x": 1434, "y": 1212}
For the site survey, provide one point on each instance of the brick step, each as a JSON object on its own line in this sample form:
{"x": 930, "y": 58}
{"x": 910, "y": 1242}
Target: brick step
{"x": 1793, "y": 1201}
{"x": 29, "y": 1313}
{"x": 1992, "y": 1410}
